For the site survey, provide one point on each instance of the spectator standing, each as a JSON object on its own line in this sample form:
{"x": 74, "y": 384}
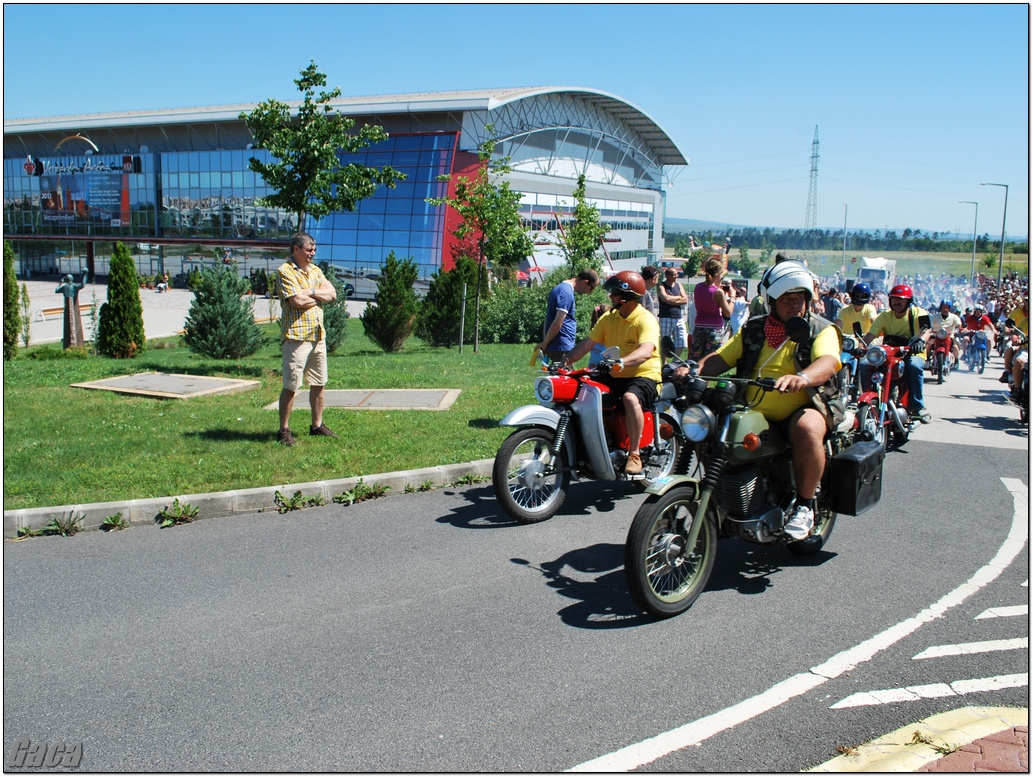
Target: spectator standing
{"x": 740, "y": 309}
{"x": 303, "y": 290}
{"x": 673, "y": 299}
{"x": 650, "y": 275}
{"x": 559, "y": 334}
{"x": 712, "y": 306}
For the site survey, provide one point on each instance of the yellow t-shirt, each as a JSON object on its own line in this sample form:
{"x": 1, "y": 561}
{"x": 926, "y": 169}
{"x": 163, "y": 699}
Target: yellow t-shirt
{"x": 887, "y": 323}
{"x": 865, "y": 316}
{"x": 627, "y": 334}
{"x": 774, "y": 405}
{"x": 299, "y": 324}
{"x": 1021, "y": 320}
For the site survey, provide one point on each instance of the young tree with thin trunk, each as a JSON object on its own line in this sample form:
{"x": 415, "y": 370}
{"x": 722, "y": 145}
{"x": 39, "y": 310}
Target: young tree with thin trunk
{"x": 490, "y": 213}
{"x": 306, "y": 171}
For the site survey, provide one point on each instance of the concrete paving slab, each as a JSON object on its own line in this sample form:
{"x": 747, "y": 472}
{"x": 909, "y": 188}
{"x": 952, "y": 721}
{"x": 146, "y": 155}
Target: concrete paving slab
{"x": 163, "y": 385}
{"x": 380, "y": 399}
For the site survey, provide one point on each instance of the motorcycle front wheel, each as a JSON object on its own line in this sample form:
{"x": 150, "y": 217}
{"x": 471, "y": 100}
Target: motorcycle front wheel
{"x": 523, "y": 478}
{"x": 664, "y": 577}
{"x": 939, "y": 367}
{"x": 868, "y": 421}
{"x": 981, "y": 360}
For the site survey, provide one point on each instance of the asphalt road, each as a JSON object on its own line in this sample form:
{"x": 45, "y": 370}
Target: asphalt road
{"x": 427, "y": 632}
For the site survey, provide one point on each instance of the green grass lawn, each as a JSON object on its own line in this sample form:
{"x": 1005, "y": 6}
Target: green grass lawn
{"x": 66, "y": 445}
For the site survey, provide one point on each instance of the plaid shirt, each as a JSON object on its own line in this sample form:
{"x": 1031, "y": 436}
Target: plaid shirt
{"x": 298, "y": 324}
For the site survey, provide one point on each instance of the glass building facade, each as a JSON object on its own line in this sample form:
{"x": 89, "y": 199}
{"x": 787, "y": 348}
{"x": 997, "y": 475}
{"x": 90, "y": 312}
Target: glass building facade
{"x": 180, "y": 193}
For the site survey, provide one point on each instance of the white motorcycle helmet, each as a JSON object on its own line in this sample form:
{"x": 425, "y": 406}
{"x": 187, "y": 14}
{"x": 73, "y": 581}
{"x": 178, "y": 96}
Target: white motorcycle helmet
{"x": 783, "y": 278}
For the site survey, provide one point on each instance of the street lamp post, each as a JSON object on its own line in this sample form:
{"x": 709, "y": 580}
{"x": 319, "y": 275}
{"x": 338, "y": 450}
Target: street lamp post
{"x": 1004, "y": 218}
{"x": 975, "y": 224}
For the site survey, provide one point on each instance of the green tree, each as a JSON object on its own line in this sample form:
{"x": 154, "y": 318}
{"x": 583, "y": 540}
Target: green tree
{"x": 120, "y": 333}
{"x": 389, "y": 319}
{"x": 584, "y": 235}
{"x": 335, "y": 314}
{"x": 221, "y": 322}
{"x": 12, "y": 316}
{"x": 439, "y": 319}
{"x": 490, "y": 213}
{"x": 747, "y": 267}
{"x": 306, "y": 172}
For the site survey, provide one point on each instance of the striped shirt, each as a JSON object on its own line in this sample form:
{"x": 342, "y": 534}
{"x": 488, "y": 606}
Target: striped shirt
{"x": 298, "y": 324}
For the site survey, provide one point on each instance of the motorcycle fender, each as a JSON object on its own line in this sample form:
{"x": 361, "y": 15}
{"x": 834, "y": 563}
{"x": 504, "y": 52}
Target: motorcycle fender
{"x": 869, "y": 398}
{"x": 532, "y": 415}
{"x": 662, "y": 485}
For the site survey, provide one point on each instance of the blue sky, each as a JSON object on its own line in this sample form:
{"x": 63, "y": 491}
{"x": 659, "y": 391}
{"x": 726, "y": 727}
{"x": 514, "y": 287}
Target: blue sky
{"x": 915, "y": 104}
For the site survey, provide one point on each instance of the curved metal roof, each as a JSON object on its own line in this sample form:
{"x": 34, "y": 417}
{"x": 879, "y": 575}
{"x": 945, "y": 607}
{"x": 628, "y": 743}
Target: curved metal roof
{"x": 659, "y": 142}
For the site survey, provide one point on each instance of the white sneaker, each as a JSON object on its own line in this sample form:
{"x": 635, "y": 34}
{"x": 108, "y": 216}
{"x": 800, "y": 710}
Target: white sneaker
{"x": 801, "y": 521}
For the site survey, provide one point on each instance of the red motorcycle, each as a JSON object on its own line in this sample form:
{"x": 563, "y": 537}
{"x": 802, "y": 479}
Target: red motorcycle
{"x": 882, "y": 403}
{"x": 579, "y": 429}
{"x": 940, "y": 358}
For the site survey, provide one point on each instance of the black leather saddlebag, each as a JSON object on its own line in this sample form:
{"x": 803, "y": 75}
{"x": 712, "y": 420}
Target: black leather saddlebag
{"x": 855, "y": 478}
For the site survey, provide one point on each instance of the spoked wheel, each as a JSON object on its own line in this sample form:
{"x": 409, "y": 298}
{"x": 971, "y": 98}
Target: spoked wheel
{"x": 896, "y": 437}
{"x": 665, "y": 577}
{"x": 672, "y": 458}
{"x": 824, "y": 523}
{"x": 981, "y": 361}
{"x": 524, "y": 479}
{"x": 868, "y": 421}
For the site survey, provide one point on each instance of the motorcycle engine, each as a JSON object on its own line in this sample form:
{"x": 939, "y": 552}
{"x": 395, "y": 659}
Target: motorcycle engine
{"x": 750, "y": 516}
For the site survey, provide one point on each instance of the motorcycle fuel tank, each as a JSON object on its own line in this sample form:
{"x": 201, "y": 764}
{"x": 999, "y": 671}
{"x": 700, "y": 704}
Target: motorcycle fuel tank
{"x": 768, "y": 441}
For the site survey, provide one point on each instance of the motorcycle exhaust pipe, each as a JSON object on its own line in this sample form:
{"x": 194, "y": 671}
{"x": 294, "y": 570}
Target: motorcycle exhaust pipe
{"x": 899, "y": 418}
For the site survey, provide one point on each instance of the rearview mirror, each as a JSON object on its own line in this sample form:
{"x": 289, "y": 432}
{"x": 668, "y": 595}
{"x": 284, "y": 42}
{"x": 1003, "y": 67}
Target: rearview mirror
{"x": 797, "y": 329}
{"x": 924, "y": 322}
{"x": 858, "y": 332}
{"x": 667, "y": 346}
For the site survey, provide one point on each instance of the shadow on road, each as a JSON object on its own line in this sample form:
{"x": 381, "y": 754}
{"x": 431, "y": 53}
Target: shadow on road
{"x": 482, "y": 510}
{"x": 594, "y": 578}
{"x": 748, "y": 568}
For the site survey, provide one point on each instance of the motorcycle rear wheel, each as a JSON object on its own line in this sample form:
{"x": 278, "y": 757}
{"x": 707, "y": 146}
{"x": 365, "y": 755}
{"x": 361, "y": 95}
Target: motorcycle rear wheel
{"x": 674, "y": 459}
{"x": 662, "y": 577}
{"x": 521, "y": 476}
{"x": 824, "y": 523}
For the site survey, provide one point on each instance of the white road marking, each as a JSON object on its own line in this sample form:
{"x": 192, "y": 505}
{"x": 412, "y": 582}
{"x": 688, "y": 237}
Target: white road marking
{"x": 1004, "y": 612}
{"x": 933, "y": 691}
{"x": 968, "y": 648}
{"x": 638, "y": 754}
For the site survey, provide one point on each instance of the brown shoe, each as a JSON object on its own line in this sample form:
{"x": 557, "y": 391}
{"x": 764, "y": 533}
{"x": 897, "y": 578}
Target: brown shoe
{"x": 321, "y": 431}
{"x": 285, "y": 437}
{"x": 633, "y": 466}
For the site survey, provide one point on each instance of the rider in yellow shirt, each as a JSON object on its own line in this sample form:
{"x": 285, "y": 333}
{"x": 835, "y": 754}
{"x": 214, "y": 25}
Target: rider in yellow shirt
{"x": 897, "y": 326}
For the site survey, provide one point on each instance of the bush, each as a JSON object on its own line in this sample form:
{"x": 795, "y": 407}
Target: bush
{"x": 335, "y": 314}
{"x": 438, "y": 322}
{"x": 389, "y": 319}
{"x": 220, "y": 323}
{"x": 121, "y": 334}
{"x": 516, "y": 314}
{"x": 12, "y": 316}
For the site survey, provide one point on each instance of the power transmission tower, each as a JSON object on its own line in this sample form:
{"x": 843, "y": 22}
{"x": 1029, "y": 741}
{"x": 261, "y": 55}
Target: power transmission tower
{"x": 810, "y": 221}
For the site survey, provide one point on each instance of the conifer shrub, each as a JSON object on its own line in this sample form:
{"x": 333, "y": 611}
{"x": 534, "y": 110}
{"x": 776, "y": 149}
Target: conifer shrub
{"x": 221, "y": 322}
{"x": 12, "y": 315}
{"x": 120, "y": 332}
{"x": 335, "y": 314}
{"x": 439, "y": 319}
{"x": 389, "y": 319}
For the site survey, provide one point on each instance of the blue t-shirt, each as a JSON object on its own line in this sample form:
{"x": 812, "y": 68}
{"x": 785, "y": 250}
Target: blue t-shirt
{"x": 561, "y": 298}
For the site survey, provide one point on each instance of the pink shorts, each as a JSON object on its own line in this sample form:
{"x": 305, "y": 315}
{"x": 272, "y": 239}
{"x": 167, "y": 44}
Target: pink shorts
{"x": 304, "y": 360}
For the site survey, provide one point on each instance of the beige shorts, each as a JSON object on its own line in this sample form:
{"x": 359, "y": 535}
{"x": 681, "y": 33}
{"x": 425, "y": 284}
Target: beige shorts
{"x": 304, "y": 360}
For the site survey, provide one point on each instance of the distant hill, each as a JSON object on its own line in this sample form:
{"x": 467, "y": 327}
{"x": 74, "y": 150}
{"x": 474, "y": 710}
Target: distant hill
{"x": 692, "y": 226}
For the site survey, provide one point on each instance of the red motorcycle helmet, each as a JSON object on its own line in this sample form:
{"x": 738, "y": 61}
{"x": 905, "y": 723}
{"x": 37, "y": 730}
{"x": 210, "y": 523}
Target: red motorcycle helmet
{"x": 628, "y": 283}
{"x": 904, "y": 292}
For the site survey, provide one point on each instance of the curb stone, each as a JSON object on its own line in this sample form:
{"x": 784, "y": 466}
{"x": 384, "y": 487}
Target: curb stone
{"x": 215, "y": 504}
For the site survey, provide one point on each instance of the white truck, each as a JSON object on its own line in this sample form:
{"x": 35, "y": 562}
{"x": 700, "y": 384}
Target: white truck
{"x": 877, "y": 272}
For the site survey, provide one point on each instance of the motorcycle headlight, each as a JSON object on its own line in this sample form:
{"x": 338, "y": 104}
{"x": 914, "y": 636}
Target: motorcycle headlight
{"x": 875, "y": 357}
{"x": 697, "y": 422}
{"x": 543, "y": 389}
{"x": 849, "y": 344}
{"x": 941, "y": 333}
